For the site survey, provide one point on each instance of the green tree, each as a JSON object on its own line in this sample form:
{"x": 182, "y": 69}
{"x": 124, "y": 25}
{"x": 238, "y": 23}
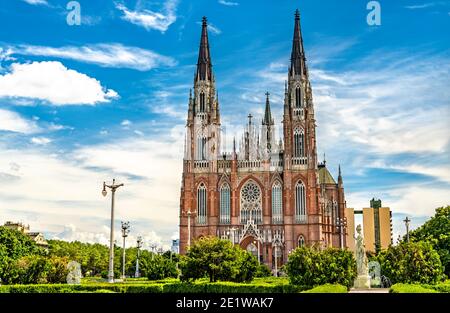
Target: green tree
{"x": 217, "y": 259}
{"x": 437, "y": 232}
{"x": 33, "y": 269}
{"x": 415, "y": 262}
{"x": 16, "y": 244}
{"x": 311, "y": 266}
{"x": 160, "y": 267}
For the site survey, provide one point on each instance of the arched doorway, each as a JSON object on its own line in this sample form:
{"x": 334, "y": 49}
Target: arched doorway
{"x": 253, "y": 249}
{"x": 250, "y": 244}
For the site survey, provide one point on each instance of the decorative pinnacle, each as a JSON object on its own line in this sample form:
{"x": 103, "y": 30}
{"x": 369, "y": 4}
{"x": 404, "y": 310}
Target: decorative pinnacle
{"x": 297, "y": 14}
{"x": 204, "y": 21}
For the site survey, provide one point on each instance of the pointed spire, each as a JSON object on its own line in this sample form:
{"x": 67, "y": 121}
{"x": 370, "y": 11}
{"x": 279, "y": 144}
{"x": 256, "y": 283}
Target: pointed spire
{"x": 267, "y": 114}
{"x": 204, "y": 66}
{"x": 340, "y": 176}
{"x": 297, "y": 54}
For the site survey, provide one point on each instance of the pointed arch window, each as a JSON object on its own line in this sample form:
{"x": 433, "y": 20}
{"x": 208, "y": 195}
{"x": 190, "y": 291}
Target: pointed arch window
{"x": 201, "y": 204}
{"x": 300, "y": 202}
{"x": 225, "y": 209}
{"x": 299, "y": 143}
{"x": 201, "y": 148}
{"x": 298, "y": 97}
{"x": 301, "y": 241}
{"x": 277, "y": 203}
{"x": 335, "y": 210}
{"x": 202, "y": 102}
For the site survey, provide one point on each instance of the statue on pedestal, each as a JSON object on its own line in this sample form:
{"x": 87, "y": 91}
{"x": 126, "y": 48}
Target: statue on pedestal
{"x": 363, "y": 279}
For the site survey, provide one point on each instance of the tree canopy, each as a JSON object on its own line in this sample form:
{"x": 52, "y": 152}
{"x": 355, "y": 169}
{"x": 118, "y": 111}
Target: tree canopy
{"x": 437, "y": 232}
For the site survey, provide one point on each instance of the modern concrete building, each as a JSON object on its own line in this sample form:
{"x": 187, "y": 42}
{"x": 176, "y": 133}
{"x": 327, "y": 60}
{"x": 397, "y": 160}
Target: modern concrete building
{"x": 377, "y": 226}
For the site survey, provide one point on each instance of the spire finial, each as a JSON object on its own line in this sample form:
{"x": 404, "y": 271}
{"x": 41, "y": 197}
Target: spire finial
{"x": 297, "y": 55}
{"x": 204, "y": 66}
{"x": 324, "y": 159}
{"x": 204, "y": 21}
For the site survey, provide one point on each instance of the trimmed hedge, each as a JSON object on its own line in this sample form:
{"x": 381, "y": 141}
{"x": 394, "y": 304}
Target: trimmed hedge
{"x": 410, "y": 288}
{"x": 328, "y": 288}
{"x": 64, "y": 288}
{"x": 166, "y": 287}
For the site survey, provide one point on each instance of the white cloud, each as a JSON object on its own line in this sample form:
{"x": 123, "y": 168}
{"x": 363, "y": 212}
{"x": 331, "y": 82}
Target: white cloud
{"x": 40, "y": 140}
{"x": 51, "y": 81}
{"x": 228, "y": 3}
{"x": 113, "y": 55}
{"x": 125, "y": 123}
{"x": 150, "y": 19}
{"x": 36, "y": 2}
{"x": 420, "y": 6}
{"x": 64, "y": 188}
{"x": 12, "y": 121}
{"x": 72, "y": 233}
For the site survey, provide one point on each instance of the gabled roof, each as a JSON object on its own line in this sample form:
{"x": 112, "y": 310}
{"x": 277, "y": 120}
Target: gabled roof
{"x": 325, "y": 176}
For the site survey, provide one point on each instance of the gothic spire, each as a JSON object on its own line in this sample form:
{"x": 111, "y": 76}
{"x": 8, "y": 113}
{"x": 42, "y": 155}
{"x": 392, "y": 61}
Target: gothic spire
{"x": 267, "y": 114}
{"x": 297, "y": 55}
{"x": 204, "y": 66}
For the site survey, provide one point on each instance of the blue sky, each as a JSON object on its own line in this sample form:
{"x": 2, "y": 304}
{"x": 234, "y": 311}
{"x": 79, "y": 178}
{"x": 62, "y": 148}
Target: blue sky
{"x": 108, "y": 98}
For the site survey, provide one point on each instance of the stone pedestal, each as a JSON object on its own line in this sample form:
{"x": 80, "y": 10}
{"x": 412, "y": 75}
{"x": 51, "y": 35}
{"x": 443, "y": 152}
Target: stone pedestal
{"x": 362, "y": 282}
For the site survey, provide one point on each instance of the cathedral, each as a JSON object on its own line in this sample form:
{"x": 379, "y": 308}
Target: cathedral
{"x": 268, "y": 197}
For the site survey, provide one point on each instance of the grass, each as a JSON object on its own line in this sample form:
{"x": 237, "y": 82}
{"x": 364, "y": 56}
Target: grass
{"x": 328, "y": 288}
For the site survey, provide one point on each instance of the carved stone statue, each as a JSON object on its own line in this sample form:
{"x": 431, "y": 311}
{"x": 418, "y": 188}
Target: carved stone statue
{"x": 363, "y": 279}
{"x": 74, "y": 276}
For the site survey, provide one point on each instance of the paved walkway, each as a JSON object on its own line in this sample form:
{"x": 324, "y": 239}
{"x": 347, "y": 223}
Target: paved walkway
{"x": 372, "y": 290}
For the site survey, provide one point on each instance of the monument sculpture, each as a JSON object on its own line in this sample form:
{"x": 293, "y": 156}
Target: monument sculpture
{"x": 74, "y": 276}
{"x": 362, "y": 281}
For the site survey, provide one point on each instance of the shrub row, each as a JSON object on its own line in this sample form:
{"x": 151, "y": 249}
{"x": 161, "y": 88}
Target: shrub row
{"x": 64, "y": 288}
{"x": 421, "y": 288}
{"x": 218, "y": 287}
{"x": 410, "y": 288}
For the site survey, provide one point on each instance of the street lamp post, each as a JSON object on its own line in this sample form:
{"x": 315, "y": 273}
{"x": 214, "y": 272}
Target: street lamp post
{"x": 113, "y": 188}
{"x": 125, "y": 231}
{"x": 139, "y": 246}
{"x": 153, "y": 247}
{"x": 407, "y": 220}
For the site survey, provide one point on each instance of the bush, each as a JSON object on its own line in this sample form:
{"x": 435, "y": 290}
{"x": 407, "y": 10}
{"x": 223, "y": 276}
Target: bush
{"x": 309, "y": 266}
{"x": 58, "y": 271}
{"x": 328, "y": 288}
{"x": 410, "y": 288}
{"x": 217, "y": 259}
{"x": 411, "y": 263}
{"x": 160, "y": 268}
{"x": 33, "y": 270}
{"x": 263, "y": 271}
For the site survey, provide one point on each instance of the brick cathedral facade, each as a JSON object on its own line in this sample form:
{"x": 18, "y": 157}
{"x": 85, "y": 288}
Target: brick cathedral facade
{"x": 266, "y": 196}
